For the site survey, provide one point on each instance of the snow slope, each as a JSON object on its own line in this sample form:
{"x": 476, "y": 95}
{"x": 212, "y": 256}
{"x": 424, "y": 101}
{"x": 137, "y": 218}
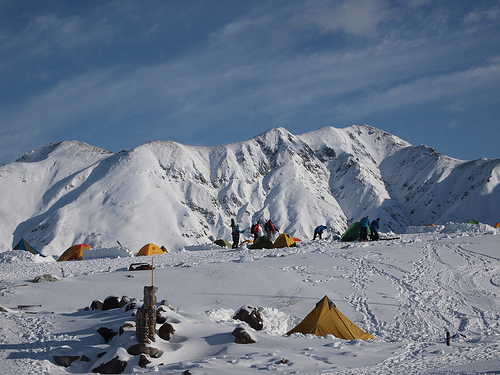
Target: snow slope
{"x": 407, "y": 293}
{"x": 175, "y": 195}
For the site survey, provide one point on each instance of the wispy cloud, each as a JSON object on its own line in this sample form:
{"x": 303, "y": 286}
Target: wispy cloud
{"x": 474, "y": 84}
{"x": 175, "y": 70}
{"x": 356, "y": 17}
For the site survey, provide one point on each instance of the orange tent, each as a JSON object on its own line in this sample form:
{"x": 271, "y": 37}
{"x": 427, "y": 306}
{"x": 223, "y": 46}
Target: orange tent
{"x": 75, "y": 252}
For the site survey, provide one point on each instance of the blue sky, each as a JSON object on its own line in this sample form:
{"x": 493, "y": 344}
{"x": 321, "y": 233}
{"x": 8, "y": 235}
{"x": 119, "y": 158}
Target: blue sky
{"x": 116, "y": 74}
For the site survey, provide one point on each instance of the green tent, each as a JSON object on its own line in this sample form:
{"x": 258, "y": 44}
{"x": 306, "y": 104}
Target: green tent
{"x": 352, "y": 233}
{"x": 223, "y": 243}
{"x": 262, "y": 243}
{"x": 473, "y": 222}
{"x": 24, "y": 245}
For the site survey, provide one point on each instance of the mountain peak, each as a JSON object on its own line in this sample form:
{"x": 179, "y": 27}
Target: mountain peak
{"x": 70, "y": 147}
{"x": 175, "y": 195}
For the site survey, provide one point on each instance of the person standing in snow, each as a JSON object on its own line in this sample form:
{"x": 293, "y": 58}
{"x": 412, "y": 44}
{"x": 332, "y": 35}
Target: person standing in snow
{"x": 235, "y": 232}
{"x": 363, "y": 231}
{"x": 374, "y": 230}
{"x": 255, "y": 230}
{"x": 270, "y": 229}
{"x": 318, "y": 231}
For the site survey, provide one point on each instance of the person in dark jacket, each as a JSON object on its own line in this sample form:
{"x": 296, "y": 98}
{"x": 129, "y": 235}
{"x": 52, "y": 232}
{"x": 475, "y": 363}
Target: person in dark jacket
{"x": 255, "y": 230}
{"x": 363, "y": 230}
{"x": 270, "y": 229}
{"x": 374, "y": 229}
{"x": 235, "y": 232}
{"x": 318, "y": 231}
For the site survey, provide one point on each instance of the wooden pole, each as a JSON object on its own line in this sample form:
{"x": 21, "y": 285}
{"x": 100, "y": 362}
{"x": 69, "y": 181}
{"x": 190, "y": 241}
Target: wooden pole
{"x": 447, "y": 338}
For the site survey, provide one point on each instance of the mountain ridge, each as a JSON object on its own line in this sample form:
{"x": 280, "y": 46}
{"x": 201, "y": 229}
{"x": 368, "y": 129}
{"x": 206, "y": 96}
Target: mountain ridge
{"x": 177, "y": 195}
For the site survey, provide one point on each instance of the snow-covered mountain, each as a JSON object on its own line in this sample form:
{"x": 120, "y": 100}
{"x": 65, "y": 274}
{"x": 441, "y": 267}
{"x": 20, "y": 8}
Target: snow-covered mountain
{"x": 176, "y": 195}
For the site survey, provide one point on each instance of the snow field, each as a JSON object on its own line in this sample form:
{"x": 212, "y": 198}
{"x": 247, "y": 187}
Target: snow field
{"x": 406, "y": 293}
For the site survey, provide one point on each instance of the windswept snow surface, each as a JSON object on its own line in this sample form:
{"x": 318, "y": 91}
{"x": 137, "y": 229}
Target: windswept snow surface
{"x": 406, "y": 292}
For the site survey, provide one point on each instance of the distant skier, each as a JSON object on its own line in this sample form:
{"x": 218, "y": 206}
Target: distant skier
{"x": 363, "y": 231}
{"x": 374, "y": 229}
{"x": 318, "y": 231}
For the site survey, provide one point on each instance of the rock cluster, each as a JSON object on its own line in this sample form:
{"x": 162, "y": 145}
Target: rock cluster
{"x": 251, "y": 316}
{"x": 115, "y": 359}
{"x": 117, "y": 365}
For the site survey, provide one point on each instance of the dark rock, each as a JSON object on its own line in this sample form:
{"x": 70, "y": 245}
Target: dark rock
{"x": 160, "y": 313}
{"x": 45, "y": 278}
{"x": 125, "y": 325}
{"x": 167, "y": 304}
{"x": 101, "y": 354}
{"x": 160, "y": 319}
{"x": 165, "y": 330}
{"x": 84, "y": 358}
{"x": 242, "y": 336}
{"x": 126, "y": 300}
{"x": 143, "y": 361}
{"x": 65, "y": 360}
{"x": 115, "y": 366}
{"x": 106, "y": 333}
{"x": 111, "y": 303}
{"x": 143, "y": 349}
{"x": 253, "y": 318}
{"x": 130, "y": 306}
{"x": 96, "y": 305}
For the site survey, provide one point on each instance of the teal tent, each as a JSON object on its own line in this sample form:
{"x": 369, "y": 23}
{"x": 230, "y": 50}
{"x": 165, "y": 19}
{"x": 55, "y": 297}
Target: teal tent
{"x": 24, "y": 245}
{"x": 262, "y": 243}
{"x": 352, "y": 233}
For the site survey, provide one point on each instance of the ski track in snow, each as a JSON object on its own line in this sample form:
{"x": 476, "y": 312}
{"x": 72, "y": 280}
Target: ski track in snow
{"x": 429, "y": 304}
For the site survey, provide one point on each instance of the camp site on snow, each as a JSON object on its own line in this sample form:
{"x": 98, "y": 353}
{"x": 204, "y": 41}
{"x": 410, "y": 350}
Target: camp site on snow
{"x": 347, "y": 329}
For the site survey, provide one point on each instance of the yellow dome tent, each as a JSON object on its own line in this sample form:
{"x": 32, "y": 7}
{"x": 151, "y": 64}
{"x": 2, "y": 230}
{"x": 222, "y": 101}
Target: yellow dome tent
{"x": 150, "y": 249}
{"x": 284, "y": 240}
{"x": 326, "y": 319}
{"x": 75, "y": 252}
